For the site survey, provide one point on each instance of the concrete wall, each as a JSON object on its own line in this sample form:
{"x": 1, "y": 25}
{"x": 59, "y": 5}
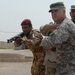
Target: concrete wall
{"x": 5, "y": 45}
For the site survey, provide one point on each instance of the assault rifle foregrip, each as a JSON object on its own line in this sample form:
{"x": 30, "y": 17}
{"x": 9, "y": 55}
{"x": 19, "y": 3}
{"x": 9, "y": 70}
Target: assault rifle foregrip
{"x": 15, "y": 37}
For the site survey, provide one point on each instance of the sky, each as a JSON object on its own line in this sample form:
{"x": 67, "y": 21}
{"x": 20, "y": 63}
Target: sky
{"x": 13, "y": 12}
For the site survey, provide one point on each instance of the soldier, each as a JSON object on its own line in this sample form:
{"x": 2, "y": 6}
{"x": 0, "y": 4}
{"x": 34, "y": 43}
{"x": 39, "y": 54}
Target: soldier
{"x": 72, "y": 13}
{"x": 26, "y": 28}
{"x": 63, "y": 38}
{"x": 37, "y": 68}
{"x": 50, "y": 58}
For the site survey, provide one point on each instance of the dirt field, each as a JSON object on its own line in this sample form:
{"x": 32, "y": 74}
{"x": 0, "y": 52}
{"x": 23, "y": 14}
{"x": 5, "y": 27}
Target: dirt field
{"x": 15, "y": 68}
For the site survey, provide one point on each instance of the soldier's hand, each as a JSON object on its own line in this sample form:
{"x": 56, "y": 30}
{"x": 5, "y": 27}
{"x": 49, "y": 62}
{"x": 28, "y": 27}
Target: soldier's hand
{"x": 23, "y": 42}
{"x": 18, "y": 40}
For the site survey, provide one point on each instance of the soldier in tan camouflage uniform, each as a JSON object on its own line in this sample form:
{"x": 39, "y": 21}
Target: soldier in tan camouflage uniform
{"x": 26, "y": 28}
{"x": 50, "y": 58}
{"x": 38, "y": 51}
{"x": 31, "y": 40}
{"x": 63, "y": 38}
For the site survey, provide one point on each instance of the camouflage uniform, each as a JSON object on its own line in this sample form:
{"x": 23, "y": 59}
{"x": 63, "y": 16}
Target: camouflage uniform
{"x": 37, "y": 68}
{"x": 63, "y": 38}
{"x": 22, "y": 46}
{"x": 50, "y": 62}
{"x": 50, "y": 57}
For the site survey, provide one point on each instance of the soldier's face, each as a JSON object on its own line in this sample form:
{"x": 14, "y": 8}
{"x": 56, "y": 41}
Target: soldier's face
{"x": 26, "y": 29}
{"x": 72, "y": 14}
{"x": 58, "y": 15}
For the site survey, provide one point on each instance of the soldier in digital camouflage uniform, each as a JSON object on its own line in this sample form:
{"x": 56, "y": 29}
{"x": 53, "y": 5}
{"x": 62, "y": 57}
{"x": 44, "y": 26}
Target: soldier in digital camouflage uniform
{"x": 72, "y": 13}
{"x": 63, "y": 38}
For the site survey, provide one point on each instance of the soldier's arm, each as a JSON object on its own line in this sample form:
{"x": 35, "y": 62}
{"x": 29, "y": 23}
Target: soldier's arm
{"x": 50, "y": 27}
{"x": 47, "y": 29}
{"x": 17, "y": 42}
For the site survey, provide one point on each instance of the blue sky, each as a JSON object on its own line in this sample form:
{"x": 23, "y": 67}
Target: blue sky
{"x": 12, "y": 12}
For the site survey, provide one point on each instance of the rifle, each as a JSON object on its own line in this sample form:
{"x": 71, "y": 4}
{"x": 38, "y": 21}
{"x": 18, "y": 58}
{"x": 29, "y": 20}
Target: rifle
{"x": 15, "y": 37}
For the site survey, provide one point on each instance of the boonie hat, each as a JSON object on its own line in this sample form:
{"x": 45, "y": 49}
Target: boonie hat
{"x": 57, "y": 5}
